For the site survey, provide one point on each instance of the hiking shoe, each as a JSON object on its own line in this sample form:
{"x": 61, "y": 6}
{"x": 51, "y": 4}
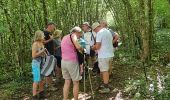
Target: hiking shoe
{"x": 42, "y": 95}
{"x": 104, "y": 90}
{"x": 101, "y": 86}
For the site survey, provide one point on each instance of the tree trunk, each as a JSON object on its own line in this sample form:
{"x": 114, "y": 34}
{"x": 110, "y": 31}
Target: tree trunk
{"x": 45, "y": 12}
{"x": 151, "y": 26}
{"x": 143, "y": 31}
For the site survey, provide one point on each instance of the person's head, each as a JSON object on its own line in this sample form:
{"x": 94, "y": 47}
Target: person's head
{"x": 77, "y": 31}
{"x": 51, "y": 27}
{"x": 85, "y": 26}
{"x": 103, "y": 23}
{"x": 39, "y": 36}
{"x": 96, "y": 27}
{"x": 57, "y": 34}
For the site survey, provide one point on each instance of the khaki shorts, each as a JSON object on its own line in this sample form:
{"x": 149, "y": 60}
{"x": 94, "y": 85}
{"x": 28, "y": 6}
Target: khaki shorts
{"x": 105, "y": 64}
{"x": 70, "y": 70}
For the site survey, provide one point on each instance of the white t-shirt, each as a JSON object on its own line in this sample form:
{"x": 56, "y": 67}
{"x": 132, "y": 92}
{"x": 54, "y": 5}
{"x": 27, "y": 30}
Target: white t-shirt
{"x": 89, "y": 40}
{"x": 105, "y": 38}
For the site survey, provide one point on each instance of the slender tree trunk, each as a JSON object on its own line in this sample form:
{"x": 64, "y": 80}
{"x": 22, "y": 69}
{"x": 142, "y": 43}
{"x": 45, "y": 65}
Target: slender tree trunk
{"x": 143, "y": 31}
{"x": 151, "y": 26}
{"x": 45, "y": 12}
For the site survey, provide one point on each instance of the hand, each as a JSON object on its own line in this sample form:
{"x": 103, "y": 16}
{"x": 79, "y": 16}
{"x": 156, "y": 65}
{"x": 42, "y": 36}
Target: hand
{"x": 93, "y": 47}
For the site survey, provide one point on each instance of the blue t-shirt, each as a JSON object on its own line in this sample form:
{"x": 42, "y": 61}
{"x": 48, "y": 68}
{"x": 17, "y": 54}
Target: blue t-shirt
{"x": 111, "y": 31}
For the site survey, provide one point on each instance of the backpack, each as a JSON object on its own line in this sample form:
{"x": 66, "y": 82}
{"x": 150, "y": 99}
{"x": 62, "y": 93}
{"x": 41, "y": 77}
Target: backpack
{"x": 48, "y": 65}
{"x": 113, "y": 33}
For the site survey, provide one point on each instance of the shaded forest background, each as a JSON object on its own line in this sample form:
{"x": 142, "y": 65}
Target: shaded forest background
{"x": 143, "y": 26}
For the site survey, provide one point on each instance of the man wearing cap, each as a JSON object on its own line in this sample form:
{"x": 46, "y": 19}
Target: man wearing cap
{"x": 104, "y": 49}
{"x": 89, "y": 37}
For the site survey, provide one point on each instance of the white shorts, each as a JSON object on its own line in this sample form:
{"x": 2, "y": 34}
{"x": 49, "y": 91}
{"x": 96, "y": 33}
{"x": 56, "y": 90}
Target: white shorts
{"x": 105, "y": 64}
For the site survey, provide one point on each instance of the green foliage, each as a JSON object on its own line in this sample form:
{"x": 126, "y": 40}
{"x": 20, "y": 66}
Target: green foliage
{"x": 19, "y": 19}
{"x": 162, "y": 14}
{"x": 136, "y": 88}
{"x": 162, "y": 41}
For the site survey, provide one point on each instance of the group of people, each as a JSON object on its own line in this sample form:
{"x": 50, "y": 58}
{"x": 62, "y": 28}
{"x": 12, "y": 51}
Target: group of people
{"x": 83, "y": 41}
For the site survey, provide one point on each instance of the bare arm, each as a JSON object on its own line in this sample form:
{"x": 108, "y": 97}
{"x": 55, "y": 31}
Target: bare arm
{"x": 77, "y": 45}
{"x": 97, "y": 46}
{"x": 46, "y": 41}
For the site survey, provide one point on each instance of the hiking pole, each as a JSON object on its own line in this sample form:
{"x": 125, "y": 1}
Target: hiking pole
{"x": 84, "y": 78}
{"x": 91, "y": 87}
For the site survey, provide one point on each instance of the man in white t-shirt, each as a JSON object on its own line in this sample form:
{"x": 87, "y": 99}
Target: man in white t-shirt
{"x": 104, "y": 49}
{"x": 115, "y": 35}
{"x": 89, "y": 37}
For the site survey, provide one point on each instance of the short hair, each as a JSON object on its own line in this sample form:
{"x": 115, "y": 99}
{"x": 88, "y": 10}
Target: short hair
{"x": 76, "y": 29}
{"x": 105, "y": 22}
{"x": 51, "y": 23}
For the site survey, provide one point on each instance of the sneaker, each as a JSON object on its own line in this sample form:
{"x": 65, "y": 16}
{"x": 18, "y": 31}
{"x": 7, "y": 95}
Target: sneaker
{"x": 104, "y": 90}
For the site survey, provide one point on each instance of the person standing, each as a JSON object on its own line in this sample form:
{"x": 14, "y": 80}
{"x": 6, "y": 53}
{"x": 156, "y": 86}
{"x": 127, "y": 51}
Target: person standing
{"x": 57, "y": 53}
{"x": 38, "y": 51}
{"x": 69, "y": 64}
{"x": 104, "y": 49}
{"x": 89, "y": 37}
{"x": 49, "y": 45}
{"x": 115, "y": 36}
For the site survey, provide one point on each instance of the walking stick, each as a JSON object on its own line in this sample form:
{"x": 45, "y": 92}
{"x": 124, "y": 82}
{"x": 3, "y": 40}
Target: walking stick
{"x": 89, "y": 76}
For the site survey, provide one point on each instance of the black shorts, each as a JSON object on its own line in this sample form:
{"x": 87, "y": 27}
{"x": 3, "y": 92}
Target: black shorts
{"x": 58, "y": 61}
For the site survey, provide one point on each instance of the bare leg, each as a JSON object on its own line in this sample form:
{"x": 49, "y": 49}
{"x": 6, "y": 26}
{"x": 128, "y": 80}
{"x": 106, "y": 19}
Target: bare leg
{"x": 75, "y": 89}
{"x": 34, "y": 88}
{"x": 66, "y": 89}
{"x": 58, "y": 72}
{"x": 48, "y": 80}
{"x": 105, "y": 76}
{"x": 41, "y": 86}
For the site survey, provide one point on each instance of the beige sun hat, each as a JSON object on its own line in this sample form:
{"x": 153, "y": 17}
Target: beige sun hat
{"x": 86, "y": 23}
{"x": 95, "y": 25}
{"x": 57, "y": 33}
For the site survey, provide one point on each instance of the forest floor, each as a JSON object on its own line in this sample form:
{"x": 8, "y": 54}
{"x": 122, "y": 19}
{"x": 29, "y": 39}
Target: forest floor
{"x": 121, "y": 73}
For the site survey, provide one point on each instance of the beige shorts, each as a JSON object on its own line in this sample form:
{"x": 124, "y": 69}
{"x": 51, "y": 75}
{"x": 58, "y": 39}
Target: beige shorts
{"x": 70, "y": 70}
{"x": 105, "y": 64}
